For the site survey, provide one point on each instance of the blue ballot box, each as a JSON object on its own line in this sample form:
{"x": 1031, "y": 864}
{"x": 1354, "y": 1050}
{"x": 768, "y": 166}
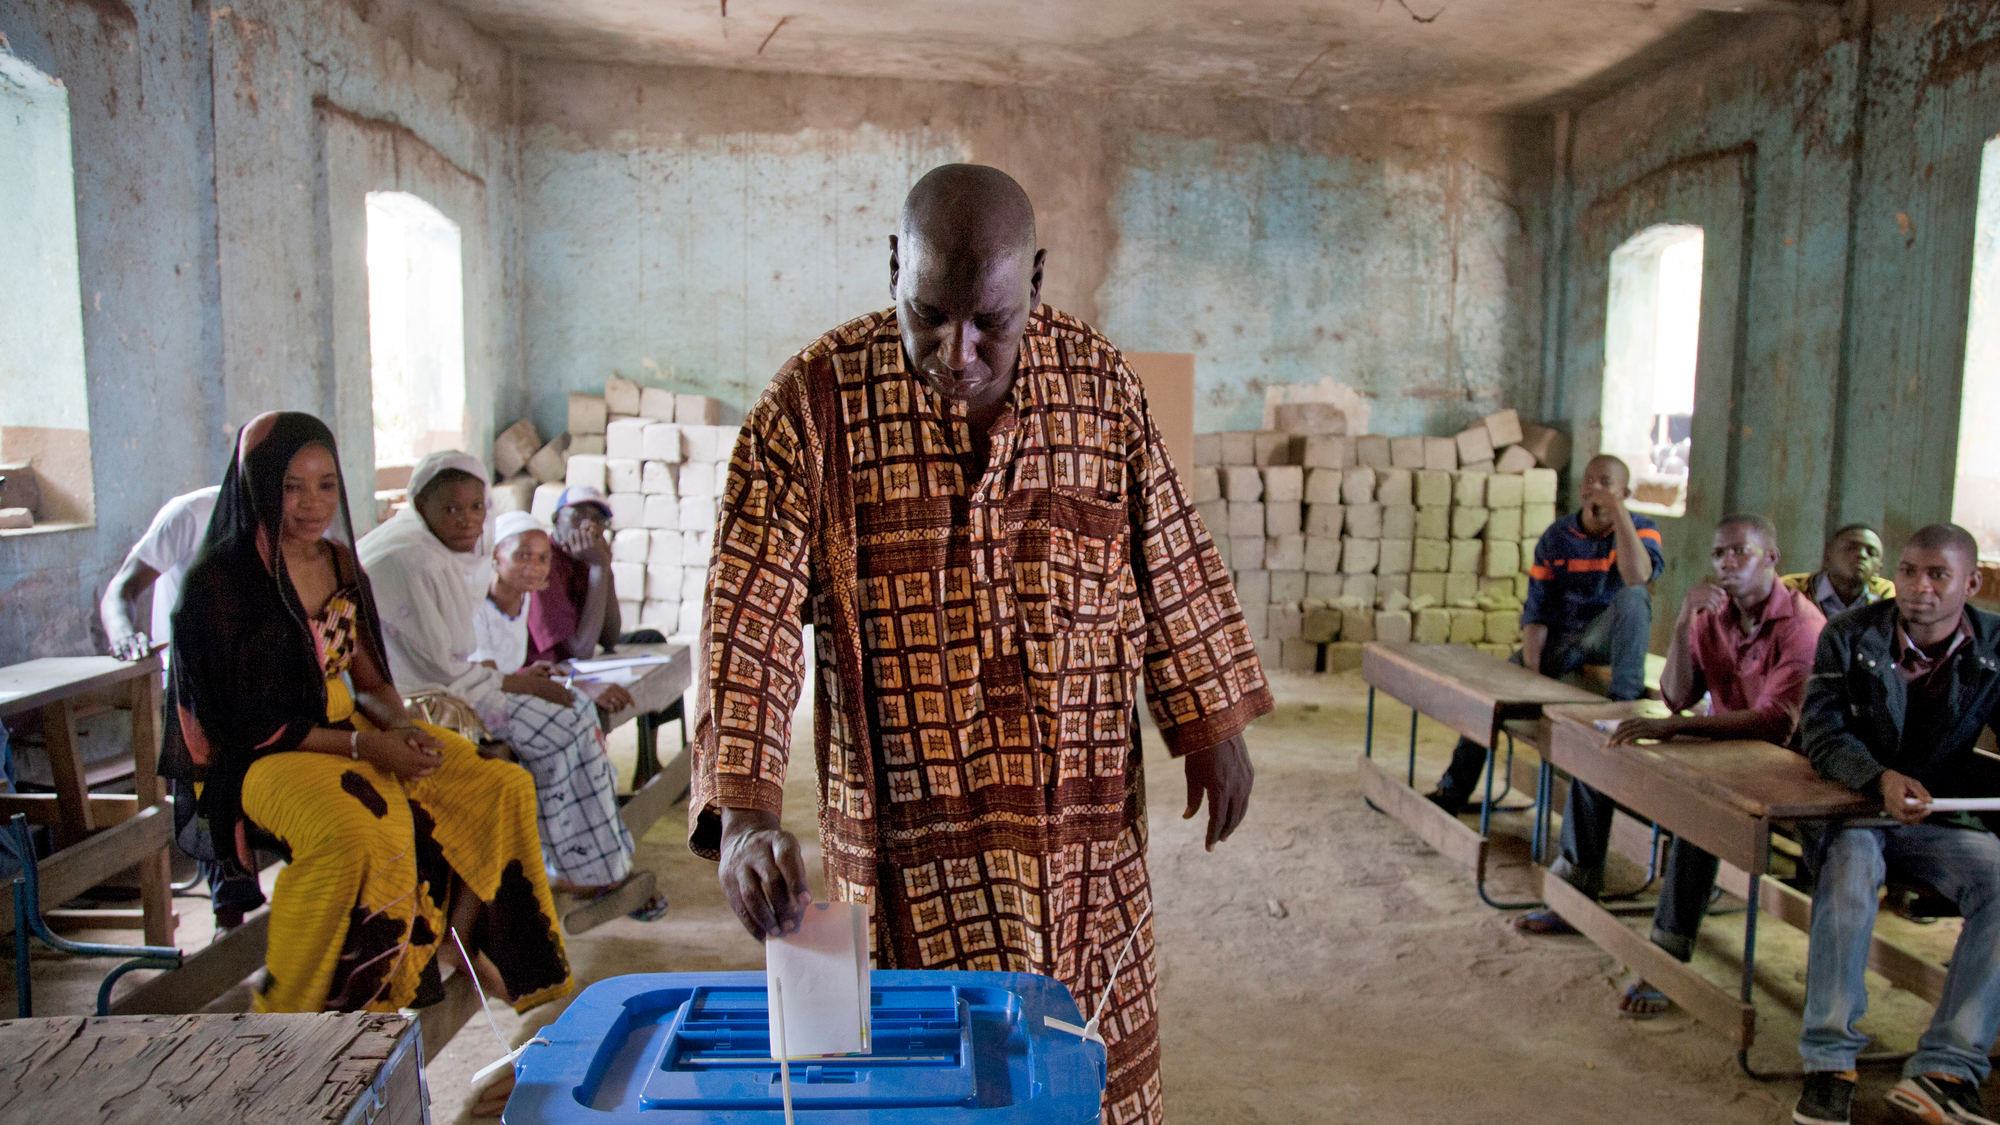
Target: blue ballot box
{"x": 695, "y": 1048}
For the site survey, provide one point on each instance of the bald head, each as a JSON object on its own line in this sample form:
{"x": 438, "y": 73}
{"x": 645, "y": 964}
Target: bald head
{"x": 969, "y": 208}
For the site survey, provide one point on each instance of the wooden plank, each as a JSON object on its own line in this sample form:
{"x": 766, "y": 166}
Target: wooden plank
{"x": 1631, "y": 775}
{"x": 69, "y": 921}
{"x": 1635, "y": 951}
{"x": 1901, "y": 967}
{"x": 73, "y": 819}
{"x": 156, "y": 883}
{"x": 34, "y": 683}
{"x": 106, "y": 809}
{"x": 227, "y": 961}
{"x": 79, "y": 867}
{"x": 169, "y": 1070}
{"x": 659, "y": 794}
{"x": 1438, "y": 828}
{"x": 1460, "y": 686}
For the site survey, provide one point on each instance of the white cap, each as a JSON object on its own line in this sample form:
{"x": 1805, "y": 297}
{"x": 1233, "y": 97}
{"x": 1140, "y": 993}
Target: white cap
{"x": 511, "y": 524}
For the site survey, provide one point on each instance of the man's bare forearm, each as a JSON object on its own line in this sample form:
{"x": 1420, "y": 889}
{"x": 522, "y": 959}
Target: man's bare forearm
{"x": 1635, "y": 565}
{"x": 1533, "y": 639}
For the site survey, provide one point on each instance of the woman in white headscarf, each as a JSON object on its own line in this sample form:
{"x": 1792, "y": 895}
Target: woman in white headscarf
{"x": 430, "y": 565}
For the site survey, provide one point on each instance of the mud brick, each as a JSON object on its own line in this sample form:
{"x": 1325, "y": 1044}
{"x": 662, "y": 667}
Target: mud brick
{"x": 1468, "y": 626}
{"x": 1214, "y": 517}
{"x": 1288, "y": 587}
{"x": 551, "y": 462}
{"x": 1371, "y": 451}
{"x": 1399, "y": 521}
{"x": 697, "y": 513}
{"x": 663, "y": 511}
{"x": 1239, "y": 447}
{"x": 1241, "y": 483}
{"x": 1208, "y": 449}
{"x": 1474, "y": 445}
{"x": 1535, "y": 519}
{"x": 1503, "y": 558}
{"x": 1440, "y": 454}
{"x": 514, "y": 446}
{"x": 1285, "y": 552}
{"x": 1364, "y": 521}
{"x": 1310, "y": 418}
{"x": 1538, "y": 486}
{"x": 1499, "y": 589}
{"x": 622, "y": 474}
{"x": 1461, "y": 590}
{"x": 1321, "y": 626}
{"x": 590, "y": 445}
{"x": 1550, "y": 447}
{"x": 1323, "y": 587}
{"x": 621, "y": 396}
{"x": 1430, "y": 556}
{"x": 1503, "y": 626}
{"x": 1284, "y": 622}
{"x": 1246, "y": 517}
{"x": 1433, "y": 489}
{"x": 1434, "y": 521}
{"x": 1247, "y": 551}
{"x": 709, "y": 443}
{"x": 1433, "y": 626}
{"x": 1298, "y": 655}
{"x": 630, "y": 545}
{"x": 1503, "y": 428}
{"x": 1521, "y": 582}
{"x": 1322, "y": 486}
{"x": 1321, "y": 451}
{"x": 665, "y": 549}
{"x": 1257, "y": 619}
{"x": 1392, "y": 625}
{"x": 587, "y": 414}
{"x": 628, "y": 509}
{"x": 1395, "y": 486}
{"x": 1359, "y": 556}
{"x": 1359, "y": 589}
{"x": 658, "y": 477}
{"x": 1503, "y": 523}
{"x": 1272, "y": 447}
{"x": 1394, "y": 557}
{"x": 1469, "y": 489}
{"x": 1341, "y": 657}
{"x": 1467, "y": 523}
{"x": 547, "y": 496}
{"x": 691, "y": 620}
{"x": 1406, "y": 452}
{"x": 1325, "y": 519}
{"x": 1358, "y": 625}
{"x": 515, "y": 494}
{"x": 1485, "y": 467}
{"x": 1284, "y": 517}
{"x": 1505, "y": 490}
{"x": 1203, "y": 484}
{"x": 1514, "y": 459}
{"x": 585, "y": 470}
{"x": 1270, "y": 654}
{"x": 629, "y": 581}
{"x": 1322, "y": 555}
{"x": 698, "y": 478}
{"x": 655, "y": 404}
{"x": 663, "y": 584}
{"x": 662, "y": 442}
{"x": 1465, "y": 556}
{"x": 1427, "y": 586}
{"x": 1253, "y": 586}
{"x": 697, "y": 410}
{"x": 1223, "y": 553}
{"x": 1357, "y": 485}
{"x": 1284, "y": 482}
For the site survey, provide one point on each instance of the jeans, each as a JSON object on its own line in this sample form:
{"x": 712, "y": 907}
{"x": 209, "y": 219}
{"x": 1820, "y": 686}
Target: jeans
{"x": 1685, "y": 888}
{"x": 1619, "y": 635}
{"x": 1963, "y": 865}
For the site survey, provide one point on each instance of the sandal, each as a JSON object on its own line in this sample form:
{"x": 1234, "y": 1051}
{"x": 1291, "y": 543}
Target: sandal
{"x": 634, "y": 892}
{"x": 1543, "y": 923}
{"x": 1643, "y": 1002}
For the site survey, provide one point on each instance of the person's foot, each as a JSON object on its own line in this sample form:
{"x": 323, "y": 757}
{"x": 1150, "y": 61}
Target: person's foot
{"x": 1543, "y": 923}
{"x": 1643, "y": 1002}
{"x": 1826, "y": 1099}
{"x": 1938, "y": 1100}
{"x": 1446, "y": 800}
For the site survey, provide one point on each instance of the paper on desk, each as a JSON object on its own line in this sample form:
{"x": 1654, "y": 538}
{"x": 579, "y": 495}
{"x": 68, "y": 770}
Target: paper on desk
{"x": 608, "y": 663}
{"x": 1965, "y": 804}
{"x": 824, "y": 968}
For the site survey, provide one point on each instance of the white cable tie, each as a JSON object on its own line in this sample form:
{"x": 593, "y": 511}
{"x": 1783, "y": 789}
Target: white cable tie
{"x": 781, "y": 1047}
{"x": 490, "y": 1068}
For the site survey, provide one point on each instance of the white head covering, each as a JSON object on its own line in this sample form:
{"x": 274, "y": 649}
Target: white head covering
{"x": 514, "y": 523}
{"x": 427, "y": 593}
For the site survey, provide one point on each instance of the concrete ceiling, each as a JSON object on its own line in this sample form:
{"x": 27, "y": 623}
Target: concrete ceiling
{"x": 1477, "y": 56}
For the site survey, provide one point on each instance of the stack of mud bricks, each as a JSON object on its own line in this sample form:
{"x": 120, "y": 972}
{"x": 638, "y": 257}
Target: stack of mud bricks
{"x": 1337, "y": 540}
{"x": 660, "y": 459}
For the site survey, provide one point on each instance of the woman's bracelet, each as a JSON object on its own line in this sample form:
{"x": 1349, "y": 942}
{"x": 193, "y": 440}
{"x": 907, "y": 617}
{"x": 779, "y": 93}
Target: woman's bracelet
{"x": 354, "y": 745}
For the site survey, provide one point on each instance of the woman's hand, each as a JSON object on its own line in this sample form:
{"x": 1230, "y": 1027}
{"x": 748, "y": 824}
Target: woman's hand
{"x": 407, "y": 752}
{"x": 611, "y": 697}
{"x": 541, "y": 687}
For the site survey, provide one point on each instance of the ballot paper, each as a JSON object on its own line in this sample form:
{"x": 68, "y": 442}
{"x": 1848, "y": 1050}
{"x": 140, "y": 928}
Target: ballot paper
{"x": 820, "y": 977}
{"x": 610, "y": 663}
{"x": 1964, "y": 804}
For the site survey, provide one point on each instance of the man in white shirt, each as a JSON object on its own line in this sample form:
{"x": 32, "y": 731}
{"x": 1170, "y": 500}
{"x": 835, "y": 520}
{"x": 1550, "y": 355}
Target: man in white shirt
{"x": 159, "y": 560}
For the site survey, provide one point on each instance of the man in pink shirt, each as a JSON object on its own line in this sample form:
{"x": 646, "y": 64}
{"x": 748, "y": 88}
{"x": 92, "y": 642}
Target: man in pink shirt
{"x": 1746, "y": 641}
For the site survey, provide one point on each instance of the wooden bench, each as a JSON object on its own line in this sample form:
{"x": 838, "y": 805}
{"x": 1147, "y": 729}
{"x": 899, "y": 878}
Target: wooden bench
{"x": 1724, "y": 797}
{"x": 1473, "y": 693}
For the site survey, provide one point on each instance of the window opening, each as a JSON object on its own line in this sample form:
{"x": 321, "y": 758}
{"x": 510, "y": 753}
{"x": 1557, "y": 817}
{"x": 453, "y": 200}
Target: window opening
{"x": 1652, "y": 329}
{"x": 1975, "y": 503}
{"x": 416, "y": 335}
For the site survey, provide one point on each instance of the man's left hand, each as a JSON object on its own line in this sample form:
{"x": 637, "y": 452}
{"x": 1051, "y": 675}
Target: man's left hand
{"x": 1223, "y": 774}
{"x": 1632, "y": 730}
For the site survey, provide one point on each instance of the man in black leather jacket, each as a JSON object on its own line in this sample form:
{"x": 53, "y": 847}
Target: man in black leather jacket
{"x": 1899, "y": 692}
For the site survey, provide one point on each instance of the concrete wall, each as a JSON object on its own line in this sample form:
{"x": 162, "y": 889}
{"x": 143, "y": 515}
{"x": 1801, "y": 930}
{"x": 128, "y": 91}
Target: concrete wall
{"x": 692, "y": 228}
{"x": 1841, "y": 154}
{"x": 205, "y": 242}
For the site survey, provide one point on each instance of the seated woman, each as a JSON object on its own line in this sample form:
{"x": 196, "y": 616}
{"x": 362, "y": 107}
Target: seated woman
{"x": 430, "y": 564}
{"x": 395, "y": 831}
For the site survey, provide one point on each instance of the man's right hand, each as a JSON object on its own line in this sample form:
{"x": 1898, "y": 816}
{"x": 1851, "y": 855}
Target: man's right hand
{"x": 762, "y": 874}
{"x": 131, "y": 646}
{"x": 1705, "y": 597}
{"x": 1898, "y": 790}
{"x": 585, "y": 545}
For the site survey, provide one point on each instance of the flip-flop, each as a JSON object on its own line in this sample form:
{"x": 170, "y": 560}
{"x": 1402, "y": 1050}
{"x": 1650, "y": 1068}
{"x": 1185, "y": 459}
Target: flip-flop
{"x": 634, "y": 892}
{"x": 1641, "y": 992}
{"x": 1543, "y": 923}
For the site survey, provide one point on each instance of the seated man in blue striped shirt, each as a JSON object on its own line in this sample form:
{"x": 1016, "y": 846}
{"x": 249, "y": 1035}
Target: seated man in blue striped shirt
{"x": 1587, "y": 604}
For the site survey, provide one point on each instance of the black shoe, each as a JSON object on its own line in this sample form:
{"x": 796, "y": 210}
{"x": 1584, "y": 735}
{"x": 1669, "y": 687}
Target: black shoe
{"x": 1825, "y": 1100}
{"x": 1940, "y": 1100}
{"x": 1447, "y": 800}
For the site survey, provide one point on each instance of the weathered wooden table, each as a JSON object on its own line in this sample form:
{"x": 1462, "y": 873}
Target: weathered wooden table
{"x": 1473, "y": 693}
{"x": 657, "y": 693}
{"x": 345, "y": 1069}
{"x": 97, "y": 835}
{"x": 1724, "y": 797}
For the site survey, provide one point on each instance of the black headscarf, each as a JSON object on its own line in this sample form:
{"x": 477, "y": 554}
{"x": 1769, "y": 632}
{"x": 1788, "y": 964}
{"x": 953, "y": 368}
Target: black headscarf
{"x": 246, "y": 679}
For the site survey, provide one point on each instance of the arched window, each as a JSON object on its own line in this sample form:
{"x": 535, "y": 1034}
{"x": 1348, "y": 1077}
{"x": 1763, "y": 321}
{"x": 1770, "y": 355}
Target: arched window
{"x": 416, "y": 332}
{"x": 1975, "y": 500}
{"x": 1652, "y": 324}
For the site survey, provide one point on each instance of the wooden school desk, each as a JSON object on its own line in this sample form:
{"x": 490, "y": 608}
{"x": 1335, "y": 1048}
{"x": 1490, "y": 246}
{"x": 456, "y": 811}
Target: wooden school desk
{"x": 1473, "y": 693}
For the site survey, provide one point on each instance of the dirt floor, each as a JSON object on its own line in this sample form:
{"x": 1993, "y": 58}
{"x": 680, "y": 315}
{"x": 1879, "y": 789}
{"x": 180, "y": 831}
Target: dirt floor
{"x": 1323, "y": 965}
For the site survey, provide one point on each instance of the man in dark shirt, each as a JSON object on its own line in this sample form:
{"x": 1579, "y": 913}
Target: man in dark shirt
{"x": 1899, "y": 692}
{"x": 579, "y": 610}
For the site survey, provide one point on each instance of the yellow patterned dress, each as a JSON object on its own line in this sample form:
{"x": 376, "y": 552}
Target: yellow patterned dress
{"x": 360, "y": 911}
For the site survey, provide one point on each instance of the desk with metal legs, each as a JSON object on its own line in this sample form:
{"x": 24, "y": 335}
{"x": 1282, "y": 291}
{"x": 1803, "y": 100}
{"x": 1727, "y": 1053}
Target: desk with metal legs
{"x": 1473, "y": 693}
